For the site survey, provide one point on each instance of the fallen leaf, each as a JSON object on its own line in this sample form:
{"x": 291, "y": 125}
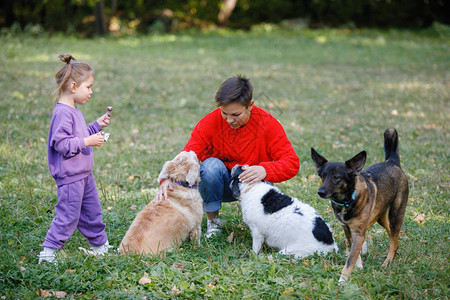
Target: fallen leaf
{"x": 230, "y": 237}
{"x": 213, "y": 283}
{"x": 175, "y": 290}
{"x": 211, "y": 286}
{"x": 22, "y": 269}
{"x": 133, "y": 207}
{"x": 312, "y": 177}
{"x": 145, "y": 280}
{"x": 288, "y": 291}
{"x": 420, "y": 219}
{"x": 69, "y": 271}
{"x": 46, "y": 293}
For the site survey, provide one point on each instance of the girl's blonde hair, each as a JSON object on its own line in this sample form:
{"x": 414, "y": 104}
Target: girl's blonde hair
{"x": 74, "y": 70}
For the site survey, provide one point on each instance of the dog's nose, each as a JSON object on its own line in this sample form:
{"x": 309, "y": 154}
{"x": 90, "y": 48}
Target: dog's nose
{"x": 322, "y": 193}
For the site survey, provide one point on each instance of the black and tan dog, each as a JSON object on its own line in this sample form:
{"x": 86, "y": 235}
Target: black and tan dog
{"x": 361, "y": 198}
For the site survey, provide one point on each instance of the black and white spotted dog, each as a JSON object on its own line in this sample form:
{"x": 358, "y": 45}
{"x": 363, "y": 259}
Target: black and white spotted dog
{"x": 283, "y": 222}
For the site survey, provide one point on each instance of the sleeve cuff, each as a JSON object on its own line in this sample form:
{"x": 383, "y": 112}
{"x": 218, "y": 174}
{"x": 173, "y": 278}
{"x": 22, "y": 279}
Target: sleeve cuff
{"x": 97, "y": 126}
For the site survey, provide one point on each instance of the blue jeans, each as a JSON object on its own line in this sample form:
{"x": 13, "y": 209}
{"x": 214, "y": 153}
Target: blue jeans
{"x": 214, "y": 186}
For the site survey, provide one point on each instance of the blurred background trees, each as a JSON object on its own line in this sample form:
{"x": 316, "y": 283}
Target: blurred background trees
{"x": 93, "y": 17}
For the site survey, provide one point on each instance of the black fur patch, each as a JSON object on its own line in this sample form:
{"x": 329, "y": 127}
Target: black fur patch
{"x": 274, "y": 201}
{"x": 321, "y": 231}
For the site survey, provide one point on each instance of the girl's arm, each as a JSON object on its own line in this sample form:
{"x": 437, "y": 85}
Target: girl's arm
{"x": 61, "y": 137}
{"x": 101, "y": 123}
{"x": 94, "y": 127}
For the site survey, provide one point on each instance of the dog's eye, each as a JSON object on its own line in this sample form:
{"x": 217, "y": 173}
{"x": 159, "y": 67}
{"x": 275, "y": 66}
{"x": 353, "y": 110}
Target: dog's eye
{"x": 336, "y": 178}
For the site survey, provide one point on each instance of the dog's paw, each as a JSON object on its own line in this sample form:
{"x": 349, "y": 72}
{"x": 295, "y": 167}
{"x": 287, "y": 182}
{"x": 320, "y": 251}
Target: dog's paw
{"x": 358, "y": 263}
{"x": 364, "y": 249}
{"x": 343, "y": 280}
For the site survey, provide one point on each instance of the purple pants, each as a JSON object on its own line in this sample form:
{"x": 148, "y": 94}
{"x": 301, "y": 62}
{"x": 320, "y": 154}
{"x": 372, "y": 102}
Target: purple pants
{"x": 78, "y": 207}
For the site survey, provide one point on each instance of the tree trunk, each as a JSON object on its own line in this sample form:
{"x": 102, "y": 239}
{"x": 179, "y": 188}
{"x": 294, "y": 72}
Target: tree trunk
{"x": 100, "y": 18}
{"x": 226, "y": 10}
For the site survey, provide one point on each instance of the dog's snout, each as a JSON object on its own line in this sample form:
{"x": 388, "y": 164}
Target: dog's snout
{"x": 322, "y": 193}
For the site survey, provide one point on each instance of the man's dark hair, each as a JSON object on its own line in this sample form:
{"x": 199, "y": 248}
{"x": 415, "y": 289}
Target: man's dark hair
{"x": 236, "y": 89}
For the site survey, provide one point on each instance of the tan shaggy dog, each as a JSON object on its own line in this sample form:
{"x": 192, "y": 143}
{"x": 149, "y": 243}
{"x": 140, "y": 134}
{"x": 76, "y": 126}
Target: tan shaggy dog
{"x": 163, "y": 225}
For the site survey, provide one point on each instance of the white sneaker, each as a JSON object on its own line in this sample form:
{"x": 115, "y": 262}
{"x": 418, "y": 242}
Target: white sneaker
{"x": 100, "y": 250}
{"x": 47, "y": 255}
{"x": 213, "y": 227}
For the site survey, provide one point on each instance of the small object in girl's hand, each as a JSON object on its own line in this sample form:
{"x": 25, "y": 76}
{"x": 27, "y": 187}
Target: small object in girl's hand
{"x": 105, "y": 134}
{"x": 109, "y": 108}
{"x": 108, "y": 113}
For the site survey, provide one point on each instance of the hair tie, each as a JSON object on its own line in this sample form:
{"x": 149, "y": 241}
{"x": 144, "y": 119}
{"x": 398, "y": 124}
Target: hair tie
{"x": 71, "y": 60}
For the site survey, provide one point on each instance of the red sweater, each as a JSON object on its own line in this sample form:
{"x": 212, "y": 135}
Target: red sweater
{"x": 262, "y": 141}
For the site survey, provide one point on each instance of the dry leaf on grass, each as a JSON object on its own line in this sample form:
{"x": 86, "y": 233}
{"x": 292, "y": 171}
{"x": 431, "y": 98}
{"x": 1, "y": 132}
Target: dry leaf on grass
{"x": 145, "y": 280}
{"x": 175, "y": 290}
{"x": 47, "y": 294}
{"x": 230, "y": 237}
{"x": 420, "y": 219}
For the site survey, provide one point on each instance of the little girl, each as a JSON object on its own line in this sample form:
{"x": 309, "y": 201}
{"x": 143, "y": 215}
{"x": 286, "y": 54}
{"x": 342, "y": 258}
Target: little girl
{"x": 70, "y": 160}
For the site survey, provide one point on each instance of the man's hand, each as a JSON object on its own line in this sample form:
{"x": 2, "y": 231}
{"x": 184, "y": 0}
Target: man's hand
{"x": 253, "y": 174}
{"x": 165, "y": 186}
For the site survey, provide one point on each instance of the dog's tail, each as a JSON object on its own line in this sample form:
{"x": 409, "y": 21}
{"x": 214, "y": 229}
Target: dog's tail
{"x": 391, "y": 146}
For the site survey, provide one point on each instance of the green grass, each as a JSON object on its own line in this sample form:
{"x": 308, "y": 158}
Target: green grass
{"x": 334, "y": 90}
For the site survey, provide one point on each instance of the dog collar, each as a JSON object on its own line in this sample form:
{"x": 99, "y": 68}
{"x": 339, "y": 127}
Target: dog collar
{"x": 346, "y": 203}
{"x": 185, "y": 184}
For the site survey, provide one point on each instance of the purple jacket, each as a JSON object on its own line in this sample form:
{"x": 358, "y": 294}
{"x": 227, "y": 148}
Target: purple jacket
{"x": 69, "y": 160}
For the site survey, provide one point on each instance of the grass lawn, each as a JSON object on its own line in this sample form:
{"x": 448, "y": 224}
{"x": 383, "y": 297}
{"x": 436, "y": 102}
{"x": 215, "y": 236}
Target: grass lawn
{"x": 334, "y": 90}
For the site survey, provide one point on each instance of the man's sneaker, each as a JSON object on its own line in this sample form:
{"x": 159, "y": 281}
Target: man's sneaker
{"x": 47, "y": 255}
{"x": 100, "y": 250}
{"x": 213, "y": 227}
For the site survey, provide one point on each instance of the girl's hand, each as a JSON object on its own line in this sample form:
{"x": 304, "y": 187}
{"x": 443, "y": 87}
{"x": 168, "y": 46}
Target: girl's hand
{"x": 162, "y": 192}
{"x": 253, "y": 174}
{"x": 94, "y": 140}
{"x": 103, "y": 121}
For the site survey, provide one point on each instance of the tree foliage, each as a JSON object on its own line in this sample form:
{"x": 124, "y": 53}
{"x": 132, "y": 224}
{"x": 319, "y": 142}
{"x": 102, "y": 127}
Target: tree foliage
{"x": 93, "y": 16}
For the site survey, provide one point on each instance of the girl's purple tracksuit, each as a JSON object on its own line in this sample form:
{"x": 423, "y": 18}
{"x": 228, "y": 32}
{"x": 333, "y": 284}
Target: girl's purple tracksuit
{"x": 70, "y": 163}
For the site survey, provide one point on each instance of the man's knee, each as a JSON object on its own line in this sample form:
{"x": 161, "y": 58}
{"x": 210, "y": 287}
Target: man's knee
{"x": 211, "y": 167}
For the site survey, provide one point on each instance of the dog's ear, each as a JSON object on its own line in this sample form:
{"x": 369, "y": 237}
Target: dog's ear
{"x": 165, "y": 173}
{"x": 318, "y": 159}
{"x": 193, "y": 174}
{"x": 234, "y": 181}
{"x": 356, "y": 163}
{"x": 235, "y": 190}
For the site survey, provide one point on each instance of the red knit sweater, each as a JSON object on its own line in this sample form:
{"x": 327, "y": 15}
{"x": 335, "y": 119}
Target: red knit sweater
{"x": 262, "y": 141}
